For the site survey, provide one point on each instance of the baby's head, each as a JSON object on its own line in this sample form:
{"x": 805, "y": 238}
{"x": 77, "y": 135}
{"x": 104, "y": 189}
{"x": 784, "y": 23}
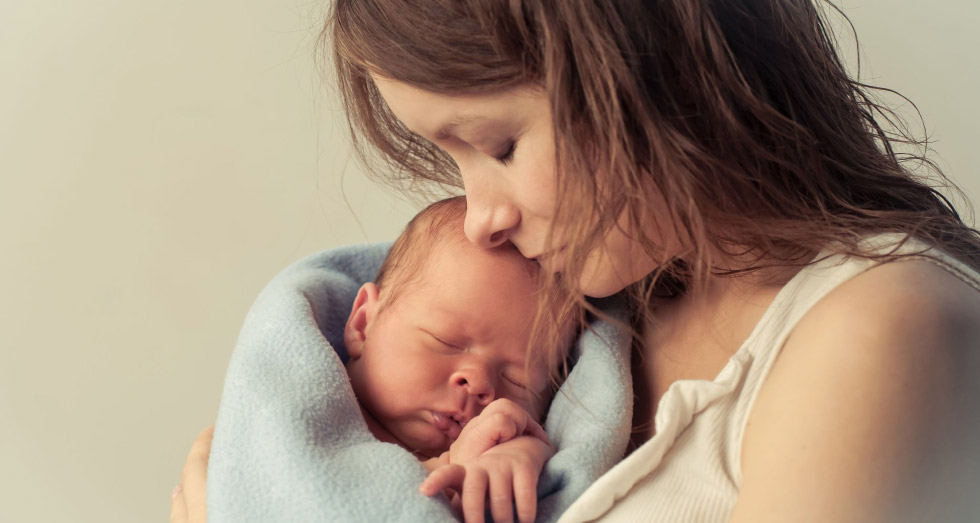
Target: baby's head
{"x": 443, "y": 332}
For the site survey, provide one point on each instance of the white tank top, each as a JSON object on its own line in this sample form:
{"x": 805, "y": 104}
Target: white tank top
{"x": 690, "y": 470}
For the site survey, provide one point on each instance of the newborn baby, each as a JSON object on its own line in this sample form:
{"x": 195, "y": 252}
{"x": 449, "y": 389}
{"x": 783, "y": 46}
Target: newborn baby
{"x": 438, "y": 360}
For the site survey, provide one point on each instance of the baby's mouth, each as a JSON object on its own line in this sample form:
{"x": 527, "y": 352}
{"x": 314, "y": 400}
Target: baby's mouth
{"x": 451, "y": 424}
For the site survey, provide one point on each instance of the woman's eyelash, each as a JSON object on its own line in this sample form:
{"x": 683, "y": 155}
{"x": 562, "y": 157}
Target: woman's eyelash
{"x": 508, "y": 154}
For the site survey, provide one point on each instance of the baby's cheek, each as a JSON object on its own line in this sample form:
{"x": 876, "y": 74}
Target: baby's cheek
{"x": 537, "y": 403}
{"x": 537, "y": 406}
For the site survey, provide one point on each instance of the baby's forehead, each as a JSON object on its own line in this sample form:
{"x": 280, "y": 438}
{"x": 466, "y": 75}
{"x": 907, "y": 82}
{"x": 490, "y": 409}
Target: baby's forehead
{"x": 438, "y": 276}
{"x": 458, "y": 251}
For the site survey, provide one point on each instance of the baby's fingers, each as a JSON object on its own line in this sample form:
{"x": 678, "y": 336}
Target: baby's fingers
{"x": 525, "y": 495}
{"x": 501, "y": 498}
{"x": 446, "y": 476}
{"x": 534, "y": 429}
{"x": 474, "y": 496}
{"x": 518, "y": 422}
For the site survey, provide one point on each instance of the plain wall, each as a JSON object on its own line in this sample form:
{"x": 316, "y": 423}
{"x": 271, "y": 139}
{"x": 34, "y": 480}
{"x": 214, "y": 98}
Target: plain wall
{"x": 161, "y": 161}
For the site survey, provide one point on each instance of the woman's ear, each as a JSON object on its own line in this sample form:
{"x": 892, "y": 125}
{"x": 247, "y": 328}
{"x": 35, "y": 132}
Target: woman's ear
{"x": 361, "y": 315}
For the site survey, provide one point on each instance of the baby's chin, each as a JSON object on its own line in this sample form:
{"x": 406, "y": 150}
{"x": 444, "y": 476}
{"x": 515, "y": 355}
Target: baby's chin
{"x": 428, "y": 452}
{"x": 424, "y": 447}
{"x": 423, "y": 441}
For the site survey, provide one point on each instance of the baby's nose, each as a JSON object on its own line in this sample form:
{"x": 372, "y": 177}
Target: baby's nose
{"x": 476, "y": 384}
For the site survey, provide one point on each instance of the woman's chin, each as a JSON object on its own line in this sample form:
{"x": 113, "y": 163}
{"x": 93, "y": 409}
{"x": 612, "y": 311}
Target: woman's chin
{"x": 598, "y": 285}
{"x": 605, "y": 275}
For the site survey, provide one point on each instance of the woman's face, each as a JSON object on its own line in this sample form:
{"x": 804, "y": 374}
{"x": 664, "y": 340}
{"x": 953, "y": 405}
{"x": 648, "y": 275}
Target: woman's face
{"x": 503, "y": 144}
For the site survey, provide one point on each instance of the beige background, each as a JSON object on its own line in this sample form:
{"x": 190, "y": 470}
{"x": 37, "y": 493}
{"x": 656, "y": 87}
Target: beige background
{"x": 160, "y": 161}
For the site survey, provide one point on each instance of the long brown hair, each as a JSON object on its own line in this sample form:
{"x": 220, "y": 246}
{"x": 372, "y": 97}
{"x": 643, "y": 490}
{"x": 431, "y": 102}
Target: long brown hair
{"x": 738, "y": 114}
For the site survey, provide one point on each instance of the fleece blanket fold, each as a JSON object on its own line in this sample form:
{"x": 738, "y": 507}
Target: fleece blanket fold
{"x": 290, "y": 444}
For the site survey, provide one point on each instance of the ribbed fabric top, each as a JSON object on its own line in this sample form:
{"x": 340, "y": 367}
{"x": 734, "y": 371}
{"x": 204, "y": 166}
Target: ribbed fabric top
{"x": 691, "y": 470}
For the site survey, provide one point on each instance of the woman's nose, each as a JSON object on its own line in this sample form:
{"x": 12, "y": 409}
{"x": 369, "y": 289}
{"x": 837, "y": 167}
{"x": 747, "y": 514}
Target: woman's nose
{"x": 476, "y": 383}
{"x": 490, "y": 217}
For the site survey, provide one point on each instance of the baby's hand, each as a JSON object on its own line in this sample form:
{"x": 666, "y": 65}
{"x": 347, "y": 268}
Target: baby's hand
{"x": 507, "y": 474}
{"x": 502, "y": 420}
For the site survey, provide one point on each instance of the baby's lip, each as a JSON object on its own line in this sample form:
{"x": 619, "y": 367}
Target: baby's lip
{"x": 450, "y": 423}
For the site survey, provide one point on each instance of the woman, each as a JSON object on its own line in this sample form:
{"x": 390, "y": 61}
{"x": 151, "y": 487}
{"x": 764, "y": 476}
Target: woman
{"x": 805, "y": 308}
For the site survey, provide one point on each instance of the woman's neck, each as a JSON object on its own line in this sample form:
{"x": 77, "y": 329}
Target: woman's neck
{"x": 691, "y": 336}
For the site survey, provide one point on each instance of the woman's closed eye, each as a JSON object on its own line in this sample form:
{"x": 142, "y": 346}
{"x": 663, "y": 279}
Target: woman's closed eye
{"x": 507, "y": 154}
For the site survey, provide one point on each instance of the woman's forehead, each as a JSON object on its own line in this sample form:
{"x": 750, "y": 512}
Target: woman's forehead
{"x": 438, "y": 116}
{"x": 424, "y": 112}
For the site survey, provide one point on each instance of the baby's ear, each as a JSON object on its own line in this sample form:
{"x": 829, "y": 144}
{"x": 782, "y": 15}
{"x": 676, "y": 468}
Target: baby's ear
{"x": 361, "y": 315}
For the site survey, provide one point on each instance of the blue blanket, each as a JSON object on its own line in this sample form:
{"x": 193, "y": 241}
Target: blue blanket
{"x": 290, "y": 443}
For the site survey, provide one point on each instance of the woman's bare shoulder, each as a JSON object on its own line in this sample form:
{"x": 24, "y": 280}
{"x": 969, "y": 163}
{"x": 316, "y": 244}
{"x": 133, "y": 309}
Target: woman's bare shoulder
{"x": 900, "y": 295}
{"x": 874, "y": 397}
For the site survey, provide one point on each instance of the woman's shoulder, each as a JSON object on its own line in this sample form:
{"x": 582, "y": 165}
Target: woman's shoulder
{"x": 909, "y": 319}
{"x": 908, "y": 304}
{"x": 901, "y": 314}
{"x": 900, "y": 295}
{"x": 875, "y": 381}
{"x": 907, "y": 309}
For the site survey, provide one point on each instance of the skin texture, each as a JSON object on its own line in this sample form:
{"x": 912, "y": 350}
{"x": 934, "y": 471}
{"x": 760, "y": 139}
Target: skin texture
{"x": 449, "y": 345}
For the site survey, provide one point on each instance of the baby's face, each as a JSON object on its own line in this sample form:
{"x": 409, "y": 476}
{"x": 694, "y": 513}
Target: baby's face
{"x": 449, "y": 344}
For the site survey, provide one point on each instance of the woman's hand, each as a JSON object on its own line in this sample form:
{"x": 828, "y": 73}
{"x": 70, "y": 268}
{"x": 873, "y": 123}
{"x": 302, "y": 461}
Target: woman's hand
{"x": 187, "y": 502}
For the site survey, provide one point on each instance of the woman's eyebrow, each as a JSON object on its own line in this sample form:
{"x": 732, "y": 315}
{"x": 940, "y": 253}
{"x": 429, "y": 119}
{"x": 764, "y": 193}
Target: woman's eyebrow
{"x": 449, "y": 127}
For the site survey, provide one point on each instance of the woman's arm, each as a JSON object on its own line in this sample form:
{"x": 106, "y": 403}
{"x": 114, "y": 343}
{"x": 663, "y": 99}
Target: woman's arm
{"x": 187, "y": 503}
{"x": 870, "y": 411}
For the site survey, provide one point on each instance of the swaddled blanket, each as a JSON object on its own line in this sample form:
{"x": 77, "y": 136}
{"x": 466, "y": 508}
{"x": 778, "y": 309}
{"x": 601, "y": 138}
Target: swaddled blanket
{"x": 290, "y": 443}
